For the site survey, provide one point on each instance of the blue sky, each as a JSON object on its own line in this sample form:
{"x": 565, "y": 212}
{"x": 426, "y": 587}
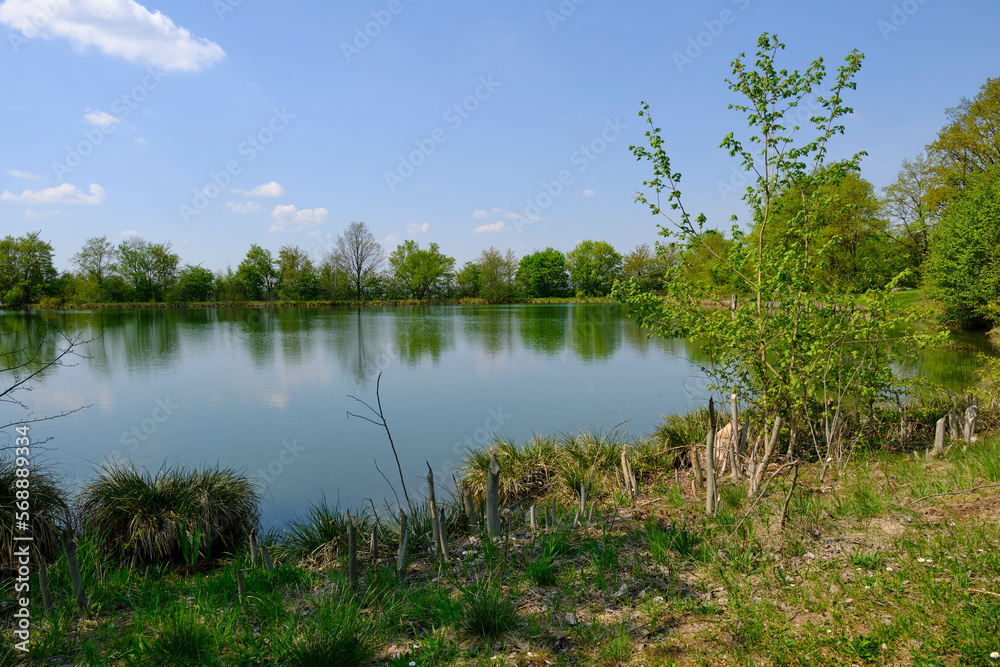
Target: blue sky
{"x": 217, "y": 124}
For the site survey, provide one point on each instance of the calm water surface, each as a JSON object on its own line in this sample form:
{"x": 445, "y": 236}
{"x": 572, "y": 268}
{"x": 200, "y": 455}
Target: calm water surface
{"x": 268, "y": 390}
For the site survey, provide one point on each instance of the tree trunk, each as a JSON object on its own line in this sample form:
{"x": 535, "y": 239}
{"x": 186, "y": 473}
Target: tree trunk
{"x": 493, "y": 497}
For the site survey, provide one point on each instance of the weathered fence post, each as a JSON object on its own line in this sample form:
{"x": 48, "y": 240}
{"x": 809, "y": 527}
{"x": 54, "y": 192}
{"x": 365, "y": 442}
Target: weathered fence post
{"x": 265, "y": 555}
{"x": 971, "y": 414}
{"x": 583, "y": 498}
{"x": 43, "y": 583}
{"x": 443, "y": 536}
{"x": 352, "y": 551}
{"x": 939, "y": 437}
{"x": 404, "y": 541}
{"x": 241, "y": 589}
{"x": 73, "y": 562}
{"x": 435, "y": 537}
{"x": 470, "y": 506}
{"x": 254, "y": 556}
{"x": 531, "y": 519}
{"x": 710, "y": 461}
{"x": 493, "y": 497}
{"x": 953, "y": 424}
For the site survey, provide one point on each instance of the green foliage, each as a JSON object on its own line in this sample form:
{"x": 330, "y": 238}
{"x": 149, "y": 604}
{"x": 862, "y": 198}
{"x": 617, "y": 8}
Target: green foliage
{"x": 136, "y": 513}
{"x": 45, "y": 505}
{"x": 256, "y": 277}
{"x": 496, "y": 275}
{"x": 336, "y": 635}
{"x": 195, "y": 283}
{"x": 542, "y": 274}
{"x": 664, "y": 538}
{"x": 179, "y": 639}
{"x": 784, "y": 351}
{"x": 963, "y": 268}
{"x": 149, "y": 270}
{"x": 319, "y": 536}
{"x": 649, "y": 267}
{"x": 489, "y": 612}
{"x": 25, "y": 269}
{"x": 593, "y": 267}
{"x": 421, "y": 273}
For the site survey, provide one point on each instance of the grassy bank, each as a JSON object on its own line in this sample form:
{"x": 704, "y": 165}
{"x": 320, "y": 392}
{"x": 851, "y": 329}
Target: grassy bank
{"x": 892, "y": 560}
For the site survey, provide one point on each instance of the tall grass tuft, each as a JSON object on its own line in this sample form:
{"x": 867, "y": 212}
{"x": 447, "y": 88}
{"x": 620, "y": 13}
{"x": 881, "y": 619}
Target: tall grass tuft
{"x": 489, "y": 614}
{"x": 49, "y": 513}
{"x": 336, "y": 635}
{"x": 180, "y": 638}
{"x": 320, "y": 536}
{"x": 136, "y": 513}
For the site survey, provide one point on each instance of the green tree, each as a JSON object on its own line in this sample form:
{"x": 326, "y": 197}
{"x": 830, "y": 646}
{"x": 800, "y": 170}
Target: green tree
{"x": 256, "y": 275}
{"x": 25, "y": 269}
{"x": 361, "y": 256}
{"x": 542, "y": 274}
{"x": 95, "y": 262}
{"x": 708, "y": 262}
{"x": 297, "y": 274}
{"x": 783, "y": 351}
{"x": 421, "y": 273}
{"x": 908, "y": 205}
{"x": 845, "y": 224}
{"x": 968, "y": 144}
{"x": 496, "y": 275}
{"x": 467, "y": 280}
{"x": 648, "y": 266}
{"x": 963, "y": 265}
{"x": 148, "y": 269}
{"x": 195, "y": 283}
{"x": 593, "y": 267}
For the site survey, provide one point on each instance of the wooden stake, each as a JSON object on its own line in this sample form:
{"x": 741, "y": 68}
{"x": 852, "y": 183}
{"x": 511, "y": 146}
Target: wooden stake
{"x": 435, "y": 537}
{"x": 470, "y": 507}
{"x": 443, "y": 536}
{"x": 43, "y": 583}
{"x": 73, "y": 562}
{"x": 583, "y": 498}
{"x": 241, "y": 589}
{"x": 254, "y": 557}
{"x": 352, "y": 551}
{"x": 493, "y": 497}
{"x": 265, "y": 555}
{"x": 531, "y": 519}
{"x": 710, "y": 461}
{"x": 404, "y": 541}
{"x": 939, "y": 437}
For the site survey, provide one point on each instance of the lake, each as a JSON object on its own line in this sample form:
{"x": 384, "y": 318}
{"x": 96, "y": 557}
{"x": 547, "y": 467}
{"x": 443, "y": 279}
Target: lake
{"x": 268, "y": 390}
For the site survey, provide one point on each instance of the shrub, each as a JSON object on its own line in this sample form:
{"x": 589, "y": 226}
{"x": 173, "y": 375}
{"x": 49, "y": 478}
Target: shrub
{"x": 136, "y": 513}
{"x": 48, "y": 510}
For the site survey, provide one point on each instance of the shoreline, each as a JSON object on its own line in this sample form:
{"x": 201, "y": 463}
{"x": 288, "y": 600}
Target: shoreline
{"x": 386, "y": 303}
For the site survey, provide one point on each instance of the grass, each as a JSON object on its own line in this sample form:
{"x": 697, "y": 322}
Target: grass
{"x": 871, "y": 567}
{"x": 139, "y": 514}
{"x": 48, "y": 511}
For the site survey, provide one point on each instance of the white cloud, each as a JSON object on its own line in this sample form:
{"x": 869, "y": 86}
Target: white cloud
{"x": 497, "y": 226}
{"x": 17, "y": 173}
{"x": 101, "y": 119}
{"x": 390, "y": 239}
{"x": 414, "y": 228}
{"x": 479, "y": 214}
{"x": 44, "y": 214}
{"x": 62, "y": 194}
{"x": 314, "y": 233}
{"x": 272, "y": 189}
{"x": 140, "y": 141}
{"x": 588, "y": 193}
{"x": 248, "y": 207}
{"x": 131, "y": 232}
{"x": 497, "y": 209}
{"x": 290, "y": 215}
{"x": 121, "y": 28}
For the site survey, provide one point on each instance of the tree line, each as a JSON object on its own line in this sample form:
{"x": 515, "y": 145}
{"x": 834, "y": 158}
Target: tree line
{"x": 357, "y": 269}
{"x": 937, "y": 224}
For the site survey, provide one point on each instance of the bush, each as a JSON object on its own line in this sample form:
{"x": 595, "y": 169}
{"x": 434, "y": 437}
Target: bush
{"x": 49, "y": 513}
{"x": 336, "y": 635}
{"x": 136, "y": 513}
{"x": 489, "y": 614}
